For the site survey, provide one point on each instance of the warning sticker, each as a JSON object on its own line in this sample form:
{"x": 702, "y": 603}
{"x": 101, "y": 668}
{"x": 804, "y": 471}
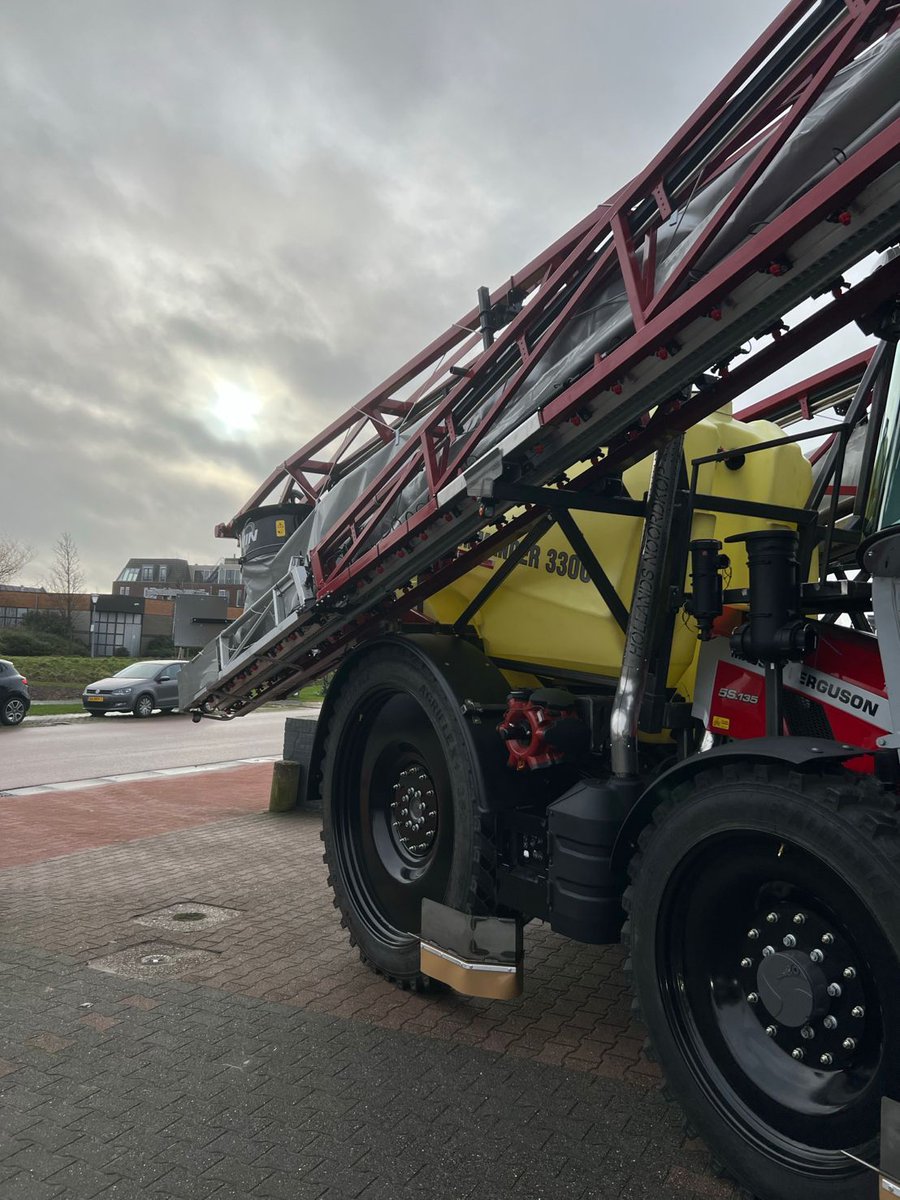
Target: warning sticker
{"x": 280, "y": 529}
{"x": 721, "y": 723}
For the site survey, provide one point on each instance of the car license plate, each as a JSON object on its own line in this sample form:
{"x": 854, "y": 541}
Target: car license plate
{"x": 96, "y": 699}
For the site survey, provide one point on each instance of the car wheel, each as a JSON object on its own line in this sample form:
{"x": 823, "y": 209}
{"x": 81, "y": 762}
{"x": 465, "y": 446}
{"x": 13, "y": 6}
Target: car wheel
{"x": 143, "y": 706}
{"x": 13, "y": 711}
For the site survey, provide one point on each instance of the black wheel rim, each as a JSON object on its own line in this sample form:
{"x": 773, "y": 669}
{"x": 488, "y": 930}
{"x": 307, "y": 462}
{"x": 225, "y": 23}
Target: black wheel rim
{"x": 775, "y": 980}
{"x": 392, "y": 814}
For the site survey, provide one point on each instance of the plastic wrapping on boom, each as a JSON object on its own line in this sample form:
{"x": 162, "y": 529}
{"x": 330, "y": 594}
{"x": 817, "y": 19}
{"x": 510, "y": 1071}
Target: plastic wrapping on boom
{"x": 849, "y": 112}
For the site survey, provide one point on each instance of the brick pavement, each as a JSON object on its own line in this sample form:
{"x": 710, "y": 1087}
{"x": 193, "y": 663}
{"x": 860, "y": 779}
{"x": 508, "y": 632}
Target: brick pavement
{"x": 281, "y": 1066}
{"x": 123, "y": 812}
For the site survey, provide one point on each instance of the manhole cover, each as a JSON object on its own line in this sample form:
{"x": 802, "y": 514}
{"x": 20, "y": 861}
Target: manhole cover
{"x": 153, "y": 960}
{"x": 186, "y": 914}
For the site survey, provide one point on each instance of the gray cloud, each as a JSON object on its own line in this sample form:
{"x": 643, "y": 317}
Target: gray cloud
{"x": 288, "y": 198}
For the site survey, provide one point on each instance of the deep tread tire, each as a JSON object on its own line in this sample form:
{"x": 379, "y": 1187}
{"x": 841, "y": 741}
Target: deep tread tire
{"x": 470, "y": 863}
{"x": 850, "y": 824}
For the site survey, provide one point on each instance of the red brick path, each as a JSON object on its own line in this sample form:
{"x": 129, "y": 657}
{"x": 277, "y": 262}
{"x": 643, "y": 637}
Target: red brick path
{"x": 37, "y": 827}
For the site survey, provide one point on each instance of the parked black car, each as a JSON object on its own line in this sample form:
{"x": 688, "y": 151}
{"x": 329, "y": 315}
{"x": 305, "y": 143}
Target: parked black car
{"x": 14, "y": 698}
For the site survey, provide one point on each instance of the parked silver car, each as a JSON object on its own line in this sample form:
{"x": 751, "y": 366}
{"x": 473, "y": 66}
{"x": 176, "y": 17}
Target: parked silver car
{"x": 140, "y": 689}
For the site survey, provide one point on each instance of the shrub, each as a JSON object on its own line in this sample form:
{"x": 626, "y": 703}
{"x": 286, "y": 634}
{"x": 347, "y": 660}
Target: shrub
{"x": 25, "y": 641}
{"x": 161, "y": 647}
{"x": 47, "y": 622}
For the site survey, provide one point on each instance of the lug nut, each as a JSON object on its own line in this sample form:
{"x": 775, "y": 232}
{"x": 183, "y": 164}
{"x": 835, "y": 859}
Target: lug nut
{"x": 849, "y": 1043}
{"x": 849, "y": 973}
{"x": 753, "y": 998}
{"x": 834, "y": 990}
{"x": 857, "y": 1011}
{"x": 790, "y": 941}
{"x": 826, "y": 1060}
{"x": 807, "y": 1032}
{"x": 746, "y": 963}
{"x": 771, "y": 1030}
{"x": 830, "y": 1022}
{"x": 768, "y": 951}
{"x": 816, "y": 956}
{"x": 798, "y": 1054}
{"x": 753, "y": 934}
{"x": 827, "y": 939}
{"x": 799, "y": 918}
{"x": 772, "y": 917}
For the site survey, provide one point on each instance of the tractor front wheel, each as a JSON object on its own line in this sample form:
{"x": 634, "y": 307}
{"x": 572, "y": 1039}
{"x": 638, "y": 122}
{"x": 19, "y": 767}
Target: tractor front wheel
{"x": 764, "y": 929}
{"x": 404, "y": 808}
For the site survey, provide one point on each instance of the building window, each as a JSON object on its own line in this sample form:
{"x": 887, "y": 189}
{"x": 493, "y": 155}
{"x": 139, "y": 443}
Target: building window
{"x": 116, "y": 631}
{"x": 232, "y": 576}
{"x": 146, "y": 574}
{"x": 125, "y": 591}
{"x": 129, "y": 575}
{"x": 12, "y": 616}
{"x": 163, "y": 574}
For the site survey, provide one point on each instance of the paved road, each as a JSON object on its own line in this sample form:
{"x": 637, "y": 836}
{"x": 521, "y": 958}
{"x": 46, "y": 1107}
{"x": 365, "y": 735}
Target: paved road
{"x": 122, "y": 745}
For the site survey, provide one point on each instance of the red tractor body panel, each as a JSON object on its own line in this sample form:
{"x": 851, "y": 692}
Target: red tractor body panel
{"x": 837, "y": 692}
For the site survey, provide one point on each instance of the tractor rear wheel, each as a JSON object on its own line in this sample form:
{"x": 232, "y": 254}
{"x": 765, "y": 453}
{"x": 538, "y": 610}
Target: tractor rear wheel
{"x": 764, "y": 928}
{"x": 765, "y": 935}
{"x": 404, "y": 808}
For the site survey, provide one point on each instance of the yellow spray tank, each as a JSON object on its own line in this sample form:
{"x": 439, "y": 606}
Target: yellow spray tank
{"x": 548, "y": 615}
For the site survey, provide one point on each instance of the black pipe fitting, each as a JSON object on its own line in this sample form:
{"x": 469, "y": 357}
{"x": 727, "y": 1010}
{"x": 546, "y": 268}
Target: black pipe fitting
{"x": 776, "y": 631}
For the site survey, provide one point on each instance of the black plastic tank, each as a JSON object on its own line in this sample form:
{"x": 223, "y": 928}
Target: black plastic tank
{"x": 262, "y": 531}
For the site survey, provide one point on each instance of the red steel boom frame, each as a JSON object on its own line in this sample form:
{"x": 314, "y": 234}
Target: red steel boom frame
{"x": 684, "y": 329}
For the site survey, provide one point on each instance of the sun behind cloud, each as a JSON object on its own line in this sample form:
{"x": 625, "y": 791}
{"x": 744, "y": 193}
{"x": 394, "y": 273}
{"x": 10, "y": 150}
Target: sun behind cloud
{"x": 234, "y": 407}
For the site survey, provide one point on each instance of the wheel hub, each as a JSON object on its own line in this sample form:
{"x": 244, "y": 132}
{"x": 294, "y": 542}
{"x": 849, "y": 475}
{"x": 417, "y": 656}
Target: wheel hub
{"x": 807, "y": 989}
{"x": 413, "y": 812}
{"x": 793, "y": 989}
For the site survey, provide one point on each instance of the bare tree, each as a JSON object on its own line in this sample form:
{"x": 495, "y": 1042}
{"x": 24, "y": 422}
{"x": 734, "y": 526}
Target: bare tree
{"x": 66, "y": 578}
{"x": 14, "y": 556}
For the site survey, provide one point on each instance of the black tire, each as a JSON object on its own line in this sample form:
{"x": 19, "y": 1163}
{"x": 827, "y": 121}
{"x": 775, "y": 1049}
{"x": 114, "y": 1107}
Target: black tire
{"x": 394, "y": 722}
{"x": 143, "y": 706}
{"x": 13, "y": 711}
{"x": 774, "y": 1090}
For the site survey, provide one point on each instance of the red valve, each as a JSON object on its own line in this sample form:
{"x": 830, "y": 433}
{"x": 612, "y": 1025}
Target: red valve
{"x": 527, "y": 722}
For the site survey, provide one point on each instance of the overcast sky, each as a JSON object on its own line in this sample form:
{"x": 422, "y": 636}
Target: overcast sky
{"x": 221, "y": 223}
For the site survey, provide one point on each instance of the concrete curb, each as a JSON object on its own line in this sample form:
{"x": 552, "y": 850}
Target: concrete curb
{"x": 56, "y": 719}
